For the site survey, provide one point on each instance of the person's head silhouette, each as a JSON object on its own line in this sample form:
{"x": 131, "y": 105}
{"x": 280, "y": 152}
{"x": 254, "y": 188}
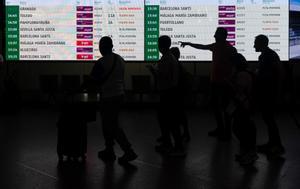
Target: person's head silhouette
{"x": 261, "y": 43}
{"x": 164, "y": 44}
{"x": 176, "y": 52}
{"x": 105, "y": 45}
{"x": 221, "y": 34}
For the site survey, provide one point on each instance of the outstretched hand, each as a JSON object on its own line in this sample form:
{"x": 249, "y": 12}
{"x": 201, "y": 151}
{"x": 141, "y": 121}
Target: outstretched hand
{"x": 183, "y": 44}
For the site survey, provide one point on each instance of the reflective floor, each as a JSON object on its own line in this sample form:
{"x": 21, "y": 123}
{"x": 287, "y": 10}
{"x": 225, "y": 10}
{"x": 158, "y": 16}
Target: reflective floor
{"x": 31, "y": 160}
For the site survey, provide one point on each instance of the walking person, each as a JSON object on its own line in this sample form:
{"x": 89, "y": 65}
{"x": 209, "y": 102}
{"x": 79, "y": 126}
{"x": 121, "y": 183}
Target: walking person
{"x": 241, "y": 109}
{"x": 267, "y": 84}
{"x": 167, "y": 72}
{"x": 108, "y": 73}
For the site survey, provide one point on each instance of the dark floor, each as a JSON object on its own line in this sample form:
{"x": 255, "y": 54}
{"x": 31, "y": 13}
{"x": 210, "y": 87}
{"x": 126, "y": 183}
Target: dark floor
{"x": 32, "y": 162}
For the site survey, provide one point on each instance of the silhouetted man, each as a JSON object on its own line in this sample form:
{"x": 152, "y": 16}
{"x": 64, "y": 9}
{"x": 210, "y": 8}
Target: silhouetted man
{"x": 108, "y": 72}
{"x": 267, "y": 83}
{"x": 167, "y": 72}
{"x": 222, "y": 53}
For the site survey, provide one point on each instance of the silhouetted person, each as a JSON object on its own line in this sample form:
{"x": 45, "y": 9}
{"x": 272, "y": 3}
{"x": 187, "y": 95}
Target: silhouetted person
{"x": 108, "y": 72}
{"x": 267, "y": 83}
{"x": 183, "y": 121}
{"x": 1, "y": 58}
{"x": 240, "y": 108}
{"x": 222, "y": 53}
{"x": 167, "y": 72}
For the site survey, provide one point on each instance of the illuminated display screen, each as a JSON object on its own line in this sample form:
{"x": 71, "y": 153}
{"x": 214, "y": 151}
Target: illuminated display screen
{"x": 295, "y": 29}
{"x": 71, "y": 29}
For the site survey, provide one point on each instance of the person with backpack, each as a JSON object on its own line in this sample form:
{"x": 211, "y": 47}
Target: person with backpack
{"x": 166, "y": 71}
{"x": 108, "y": 74}
{"x": 240, "y": 108}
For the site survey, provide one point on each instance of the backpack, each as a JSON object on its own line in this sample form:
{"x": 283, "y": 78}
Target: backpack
{"x": 238, "y": 102}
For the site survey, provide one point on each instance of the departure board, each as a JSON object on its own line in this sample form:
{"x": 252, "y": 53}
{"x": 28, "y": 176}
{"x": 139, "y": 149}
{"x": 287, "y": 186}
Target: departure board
{"x": 71, "y": 29}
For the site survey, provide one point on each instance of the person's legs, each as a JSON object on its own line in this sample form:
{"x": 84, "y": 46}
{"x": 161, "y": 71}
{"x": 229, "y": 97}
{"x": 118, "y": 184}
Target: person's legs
{"x": 106, "y": 126}
{"x": 163, "y": 120}
{"x": 274, "y": 145}
{"x": 273, "y": 131}
{"x": 113, "y": 131}
{"x": 220, "y": 100}
{"x": 169, "y": 124}
{"x": 250, "y": 141}
{"x": 184, "y": 123}
{"x": 239, "y": 130}
{"x": 227, "y": 127}
{"x": 248, "y": 136}
{"x": 108, "y": 153}
{"x": 245, "y": 131}
{"x": 226, "y": 95}
{"x": 118, "y": 132}
{"x": 217, "y": 110}
{"x": 174, "y": 122}
{"x": 183, "y": 120}
{"x": 162, "y": 115}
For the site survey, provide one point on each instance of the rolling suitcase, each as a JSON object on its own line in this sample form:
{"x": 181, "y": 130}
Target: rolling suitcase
{"x": 72, "y": 128}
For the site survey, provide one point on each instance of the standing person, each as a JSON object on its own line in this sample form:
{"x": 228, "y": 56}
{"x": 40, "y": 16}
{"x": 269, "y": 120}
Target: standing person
{"x": 222, "y": 53}
{"x": 108, "y": 72}
{"x": 183, "y": 121}
{"x": 167, "y": 72}
{"x": 241, "y": 110}
{"x": 267, "y": 83}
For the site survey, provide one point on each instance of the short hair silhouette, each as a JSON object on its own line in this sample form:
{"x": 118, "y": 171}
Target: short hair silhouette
{"x": 176, "y": 52}
{"x": 105, "y": 45}
{"x": 221, "y": 33}
{"x": 106, "y": 41}
{"x": 262, "y": 39}
{"x": 164, "y": 41}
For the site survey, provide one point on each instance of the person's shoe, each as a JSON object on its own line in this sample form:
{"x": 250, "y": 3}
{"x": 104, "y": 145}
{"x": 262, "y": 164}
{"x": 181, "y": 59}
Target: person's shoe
{"x": 248, "y": 158}
{"x": 163, "y": 148}
{"x": 214, "y": 133}
{"x": 128, "y": 156}
{"x": 107, "y": 155}
{"x": 177, "y": 152}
